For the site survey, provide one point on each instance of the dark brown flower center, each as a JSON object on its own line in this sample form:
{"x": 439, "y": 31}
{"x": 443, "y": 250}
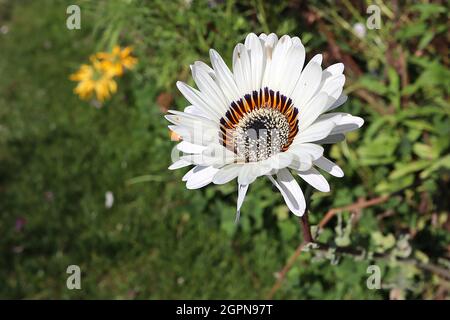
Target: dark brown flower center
{"x": 259, "y": 125}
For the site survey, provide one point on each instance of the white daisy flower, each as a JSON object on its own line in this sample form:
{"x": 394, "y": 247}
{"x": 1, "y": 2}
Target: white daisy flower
{"x": 269, "y": 116}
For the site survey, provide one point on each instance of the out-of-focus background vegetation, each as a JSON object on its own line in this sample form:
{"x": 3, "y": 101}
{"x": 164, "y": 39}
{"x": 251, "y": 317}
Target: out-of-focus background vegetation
{"x": 60, "y": 155}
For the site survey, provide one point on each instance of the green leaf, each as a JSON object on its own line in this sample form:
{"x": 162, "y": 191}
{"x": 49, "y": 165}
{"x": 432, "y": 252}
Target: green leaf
{"x": 394, "y": 87}
{"x": 411, "y": 30}
{"x": 424, "y": 151}
{"x": 428, "y": 9}
{"x": 420, "y": 125}
{"x": 381, "y": 242}
{"x": 389, "y": 186}
{"x": 426, "y": 39}
{"x": 404, "y": 169}
{"x": 373, "y": 85}
{"x": 441, "y": 163}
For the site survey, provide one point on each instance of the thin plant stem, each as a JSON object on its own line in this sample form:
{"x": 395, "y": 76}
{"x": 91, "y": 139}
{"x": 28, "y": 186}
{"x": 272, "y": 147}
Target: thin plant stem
{"x": 304, "y": 220}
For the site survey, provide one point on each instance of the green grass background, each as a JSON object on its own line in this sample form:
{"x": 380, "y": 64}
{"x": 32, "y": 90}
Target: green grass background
{"x": 59, "y": 155}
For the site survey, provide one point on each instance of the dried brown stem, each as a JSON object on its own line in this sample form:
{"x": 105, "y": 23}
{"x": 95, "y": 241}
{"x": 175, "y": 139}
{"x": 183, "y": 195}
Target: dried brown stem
{"x": 307, "y": 236}
{"x": 361, "y": 204}
{"x": 282, "y": 274}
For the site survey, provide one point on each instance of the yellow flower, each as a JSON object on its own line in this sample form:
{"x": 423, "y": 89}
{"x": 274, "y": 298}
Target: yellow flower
{"x": 117, "y": 61}
{"x": 98, "y": 77}
{"x": 93, "y": 79}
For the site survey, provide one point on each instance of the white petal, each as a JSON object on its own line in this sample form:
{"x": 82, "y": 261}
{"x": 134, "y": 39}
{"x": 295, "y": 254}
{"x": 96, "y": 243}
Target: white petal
{"x": 214, "y": 154}
{"x": 248, "y": 174}
{"x": 224, "y": 77}
{"x": 291, "y": 192}
{"x": 242, "y": 69}
{"x": 183, "y": 132}
{"x": 242, "y": 191}
{"x": 317, "y": 59}
{"x": 339, "y": 102}
{"x": 301, "y": 161}
{"x": 190, "y": 120}
{"x": 334, "y": 85}
{"x": 219, "y": 152}
{"x": 331, "y": 73}
{"x": 329, "y": 166}
{"x": 193, "y": 128}
{"x": 204, "y": 67}
{"x": 318, "y": 130}
{"x": 281, "y": 160}
{"x": 312, "y": 110}
{"x": 188, "y": 147}
{"x": 295, "y": 59}
{"x": 335, "y": 138}
{"x": 209, "y": 88}
{"x": 200, "y": 177}
{"x": 347, "y": 123}
{"x": 204, "y": 161}
{"x": 278, "y": 62}
{"x": 188, "y": 174}
{"x": 307, "y": 85}
{"x": 195, "y": 111}
{"x": 335, "y": 69}
{"x": 270, "y": 43}
{"x": 271, "y": 40}
{"x": 179, "y": 164}
{"x": 257, "y": 60}
{"x": 296, "y": 41}
{"x": 312, "y": 149}
{"x": 196, "y": 98}
{"x": 227, "y": 173}
{"x": 332, "y": 98}
{"x": 336, "y": 117}
{"x": 264, "y": 167}
{"x": 315, "y": 179}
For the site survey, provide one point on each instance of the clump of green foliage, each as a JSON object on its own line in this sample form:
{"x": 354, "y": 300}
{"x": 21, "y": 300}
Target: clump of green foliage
{"x": 60, "y": 155}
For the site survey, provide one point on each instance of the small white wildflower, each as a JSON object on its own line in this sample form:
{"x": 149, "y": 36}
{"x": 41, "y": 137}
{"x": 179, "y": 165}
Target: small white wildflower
{"x": 109, "y": 199}
{"x": 4, "y": 29}
{"x": 180, "y": 281}
{"x": 360, "y": 30}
